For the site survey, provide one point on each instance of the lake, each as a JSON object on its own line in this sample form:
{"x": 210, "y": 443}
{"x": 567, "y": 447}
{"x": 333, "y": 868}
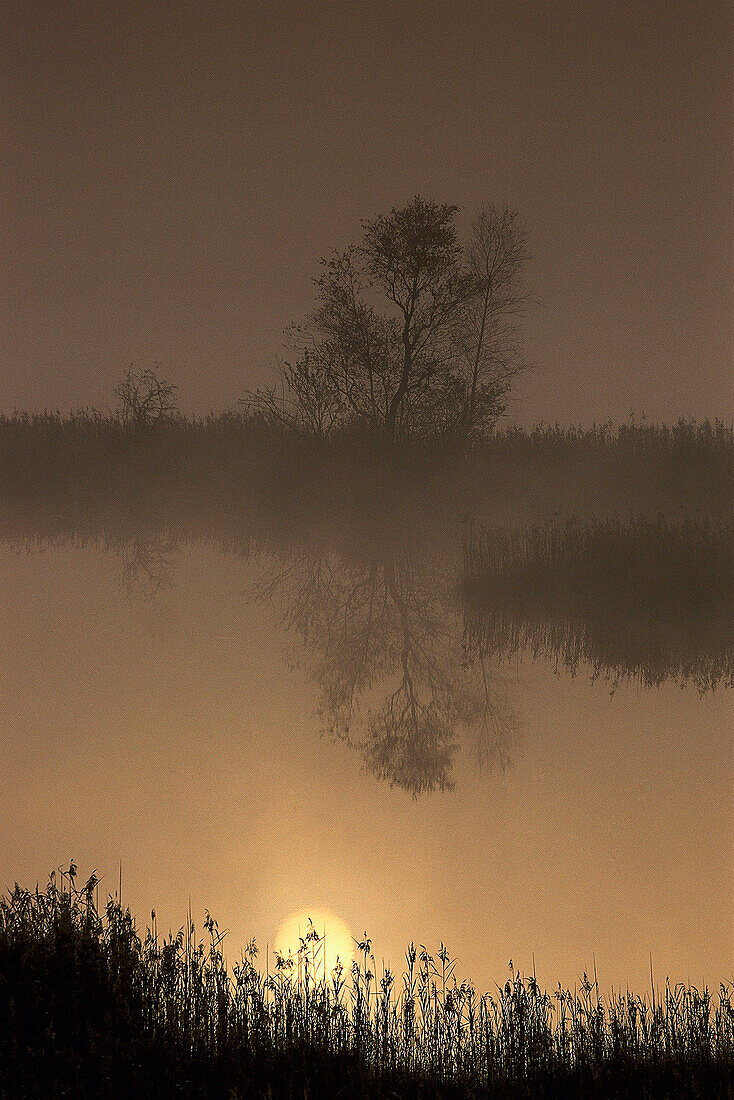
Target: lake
{"x": 321, "y": 722}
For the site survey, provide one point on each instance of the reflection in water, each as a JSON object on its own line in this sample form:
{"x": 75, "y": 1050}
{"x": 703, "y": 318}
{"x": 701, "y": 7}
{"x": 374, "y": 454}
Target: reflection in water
{"x": 387, "y": 656}
{"x": 405, "y": 681}
{"x": 177, "y": 718}
{"x": 646, "y": 600}
{"x": 146, "y": 566}
{"x": 649, "y": 600}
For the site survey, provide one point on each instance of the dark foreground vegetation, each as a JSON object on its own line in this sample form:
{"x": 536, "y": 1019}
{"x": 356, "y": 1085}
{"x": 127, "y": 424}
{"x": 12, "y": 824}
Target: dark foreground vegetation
{"x": 90, "y": 1008}
{"x": 642, "y": 599}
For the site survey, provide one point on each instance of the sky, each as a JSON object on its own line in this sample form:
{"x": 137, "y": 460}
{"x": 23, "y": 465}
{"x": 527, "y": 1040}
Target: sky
{"x": 171, "y": 174}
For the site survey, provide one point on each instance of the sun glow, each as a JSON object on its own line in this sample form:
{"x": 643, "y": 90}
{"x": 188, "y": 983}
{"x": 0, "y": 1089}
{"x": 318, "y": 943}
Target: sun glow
{"x": 334, "y": 941}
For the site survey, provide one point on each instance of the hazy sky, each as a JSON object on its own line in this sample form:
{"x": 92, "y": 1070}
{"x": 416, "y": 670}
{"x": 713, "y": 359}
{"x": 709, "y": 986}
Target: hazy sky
{"x": 172, "y": 172}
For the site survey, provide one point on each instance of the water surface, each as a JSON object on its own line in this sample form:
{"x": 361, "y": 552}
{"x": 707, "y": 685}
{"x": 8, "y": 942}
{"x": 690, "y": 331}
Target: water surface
{"x": 314, "y": 722}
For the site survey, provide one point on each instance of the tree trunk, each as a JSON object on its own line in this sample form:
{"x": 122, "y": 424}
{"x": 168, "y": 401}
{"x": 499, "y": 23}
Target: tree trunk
{"x": 471, "y": 409}
{"x": 399, "y": 396}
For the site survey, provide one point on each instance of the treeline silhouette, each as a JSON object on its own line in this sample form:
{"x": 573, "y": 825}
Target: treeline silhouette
{"x": 92, "y": 1007}
{"x": 648, "y": 600}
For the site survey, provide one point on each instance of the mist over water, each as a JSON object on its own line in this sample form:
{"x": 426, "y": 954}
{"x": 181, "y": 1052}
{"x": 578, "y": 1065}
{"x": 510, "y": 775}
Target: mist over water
{"x": 511, "y": 752}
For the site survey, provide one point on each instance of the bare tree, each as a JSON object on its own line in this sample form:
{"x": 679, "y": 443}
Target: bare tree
{"x": 305, "y": 398}
{"x": 145, "y": 397}
{"x": 486, "y": 335}
{"x": 355, "y": 342}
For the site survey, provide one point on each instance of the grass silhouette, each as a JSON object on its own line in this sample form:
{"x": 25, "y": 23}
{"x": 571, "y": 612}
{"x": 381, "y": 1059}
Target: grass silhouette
{"x": 89, "y": 1007}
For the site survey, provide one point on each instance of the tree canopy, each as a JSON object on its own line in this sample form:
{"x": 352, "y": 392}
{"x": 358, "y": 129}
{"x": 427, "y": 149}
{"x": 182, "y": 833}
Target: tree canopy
{"x": 413, "y": 333}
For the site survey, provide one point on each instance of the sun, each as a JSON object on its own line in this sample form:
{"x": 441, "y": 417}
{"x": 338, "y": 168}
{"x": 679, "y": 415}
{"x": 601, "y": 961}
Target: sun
{"x": 335, "y": 939}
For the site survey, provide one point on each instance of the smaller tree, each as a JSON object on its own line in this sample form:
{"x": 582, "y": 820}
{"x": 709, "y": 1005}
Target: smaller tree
{"x": 305, "y": 401}
{"x": 145, "y": 397}
{"x": 354, "y": 342}
{"x": 486, "y": 333}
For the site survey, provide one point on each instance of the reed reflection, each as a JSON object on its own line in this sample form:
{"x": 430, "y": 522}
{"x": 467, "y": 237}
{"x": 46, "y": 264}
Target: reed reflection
{"x": 385, "y": 646}
{"x": 646, "y": 600}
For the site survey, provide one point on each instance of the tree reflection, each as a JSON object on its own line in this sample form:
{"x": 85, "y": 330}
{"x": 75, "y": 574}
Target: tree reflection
{"x": 385, "y": 649}
{"x": 146, "y": 566}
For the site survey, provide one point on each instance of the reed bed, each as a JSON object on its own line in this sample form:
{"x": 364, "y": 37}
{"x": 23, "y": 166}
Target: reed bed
{"x": 92, "y": 463}
{"x": 644, "y": 599}
{"x": 89, "y": 1006}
